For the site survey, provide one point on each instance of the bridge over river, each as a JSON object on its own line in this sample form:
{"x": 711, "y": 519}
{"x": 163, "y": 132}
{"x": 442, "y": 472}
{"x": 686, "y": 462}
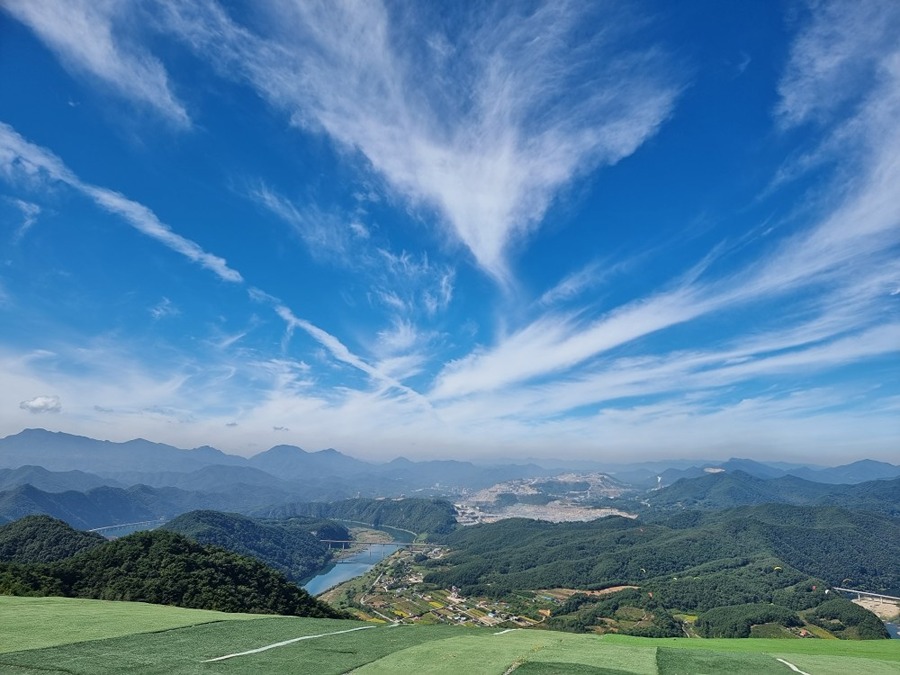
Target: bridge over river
{"x": 370, "y": 545}
{"x": 113, "y": 531}
{"x": 867, "y": 594}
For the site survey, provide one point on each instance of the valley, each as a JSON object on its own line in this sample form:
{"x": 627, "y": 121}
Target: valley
{"x": 723, "y": 554}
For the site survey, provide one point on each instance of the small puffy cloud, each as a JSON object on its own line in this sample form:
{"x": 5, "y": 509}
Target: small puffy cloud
{"x": 42, "y": 404}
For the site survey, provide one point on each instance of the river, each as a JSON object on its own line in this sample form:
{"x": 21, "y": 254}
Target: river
{"x": 356, "y": 564}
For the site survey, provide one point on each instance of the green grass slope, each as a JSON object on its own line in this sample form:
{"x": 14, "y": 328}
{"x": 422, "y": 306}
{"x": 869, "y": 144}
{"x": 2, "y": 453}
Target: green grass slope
{"x": 37, "y": 623}
{"x": 98, "y": 638}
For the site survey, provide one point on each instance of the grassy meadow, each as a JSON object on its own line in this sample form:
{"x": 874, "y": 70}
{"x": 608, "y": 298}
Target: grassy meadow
{"x": 35, "y": 623}
{"x": 56, "y": 635}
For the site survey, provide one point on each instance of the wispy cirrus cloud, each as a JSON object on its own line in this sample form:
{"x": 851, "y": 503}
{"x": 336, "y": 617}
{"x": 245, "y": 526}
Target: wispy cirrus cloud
{"x": 342, "y": 353}
{"x": 483, "y": 125}
{"x": 30, "y": 213}
{"x": 592, "y": 275}
{"x": 327, "y": 235}
{"x": 20, "y": 158}
{"x": 164, "y": 308}
{"x": 90, "y": 37}
{"x": 402, "y": 282}
{"x": 836, "y": 58}
{"x": 846, "y": 257}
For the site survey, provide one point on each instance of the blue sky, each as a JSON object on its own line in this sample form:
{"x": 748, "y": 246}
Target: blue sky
{"x": 616, "y": 231}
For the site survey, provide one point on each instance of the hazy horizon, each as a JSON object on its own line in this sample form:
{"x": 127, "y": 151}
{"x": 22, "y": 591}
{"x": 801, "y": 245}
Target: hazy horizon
{"x": 588, "y": 464}
{"x": 502, "y": 231}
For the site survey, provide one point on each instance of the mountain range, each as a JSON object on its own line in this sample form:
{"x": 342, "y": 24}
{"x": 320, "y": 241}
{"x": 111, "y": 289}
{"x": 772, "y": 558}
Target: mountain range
{"x": 325, "y": 474}
{"x": 657, "y": 475}
{"x": 729, "y": 489}
{"x": 91, "y": 483}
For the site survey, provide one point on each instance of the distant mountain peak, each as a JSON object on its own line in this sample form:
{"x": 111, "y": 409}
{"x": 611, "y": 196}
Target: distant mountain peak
{"x": 400, "y": 461}
{"x": 283, "y": 449}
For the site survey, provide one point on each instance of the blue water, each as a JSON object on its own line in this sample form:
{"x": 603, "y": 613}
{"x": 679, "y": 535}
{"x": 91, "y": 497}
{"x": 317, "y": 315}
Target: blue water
{"x": 354, "y": 566}
{"x": 893, "y": 629}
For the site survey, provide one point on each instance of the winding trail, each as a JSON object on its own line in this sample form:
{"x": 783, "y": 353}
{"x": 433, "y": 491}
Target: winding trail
{"x": 283, "y": 643}
{"x": 792, "y": 667}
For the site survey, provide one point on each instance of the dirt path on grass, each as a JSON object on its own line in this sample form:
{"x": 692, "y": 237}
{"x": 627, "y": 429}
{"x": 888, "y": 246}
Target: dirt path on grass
{"x": 283, "y": 643}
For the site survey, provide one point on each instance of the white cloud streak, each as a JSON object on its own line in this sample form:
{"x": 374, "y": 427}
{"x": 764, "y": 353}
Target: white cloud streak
{"x": 325, "y": 234}
{"x": 836, "y": 57}
{"x": 90, "y": 37}
{"x": 541, "y": 100}
{"x": 19, "y": 157}
{"x": 340, "y": 352}
{"x": 30, "y": 213}
{"x": 848, "y": 256}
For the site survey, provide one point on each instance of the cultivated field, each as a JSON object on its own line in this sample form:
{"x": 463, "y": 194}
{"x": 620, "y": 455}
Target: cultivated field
{"x": 54, "y": 635}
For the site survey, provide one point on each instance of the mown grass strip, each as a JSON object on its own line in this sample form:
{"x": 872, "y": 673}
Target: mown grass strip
{"x": 183, "y": 650}
{"x": 36, "y": 623}
{"x": 494, "y": 653}
{"x": 284, "y": 643}
{"x": 882, "y": 650}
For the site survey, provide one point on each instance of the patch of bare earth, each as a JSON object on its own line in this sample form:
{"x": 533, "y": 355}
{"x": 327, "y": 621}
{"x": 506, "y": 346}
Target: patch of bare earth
{"x": 883, "y": 609}
{"x": 566, "y": 593}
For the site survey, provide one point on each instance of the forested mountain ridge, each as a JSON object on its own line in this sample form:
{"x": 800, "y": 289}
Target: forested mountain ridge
{"x": 662, "y": 474}
{"x": 165, "y": 568}
{"x": 288, "y": 546}
{"x": 105, "y": 506}
{"x": 735, "y": 568}
{"x": 829, "y": 543}
{"x": 433, "y": 516}
{"x": 41, "y": 539}
{"x": 52, "y": 481}
{"x": 59, "y": 451}
{"x": 738, "y": 488}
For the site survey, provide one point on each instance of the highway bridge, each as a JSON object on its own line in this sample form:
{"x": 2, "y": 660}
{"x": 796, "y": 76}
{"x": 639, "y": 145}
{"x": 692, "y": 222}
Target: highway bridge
{"x": 412, "y": 546}
{"x": 113, "y": 531}
{"x": 866, "y": 594}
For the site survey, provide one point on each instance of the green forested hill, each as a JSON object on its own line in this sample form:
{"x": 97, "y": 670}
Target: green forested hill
{"x": 434, "y": 516}
{"x": 825, "y": 542}
{"x": 737, "y": 568}
{"x": 737, "y": 488}
{"x": 287, "y": 545}
{"x": 165, "y": 568}
{"x": 39, "y": 539}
